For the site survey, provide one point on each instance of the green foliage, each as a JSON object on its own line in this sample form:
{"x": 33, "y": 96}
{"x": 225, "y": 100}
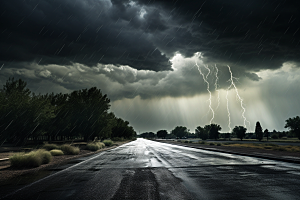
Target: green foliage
{"x": 82, "y": 113}
{"x": 209, "y": 131}
{"x": 274, "y": 136}
{"x": 108, "y": 143}
{"x": 186, "y": 141}
{"x": 162, "y": 133}
{"x": 211, "y": 143}
{"x": 258, "y": 131}
{"x": 56, "y": 152}
{"x": 202, "y": 142}
{"x": 201, "y": 133}
{"x": 293, "y": 124}
{"x": 22, "y": 114}
{"x": 239, "y": 131}
{"x": 180, "y": 131}
{"x": 49, "y": 147}
{"x": 121, "y": 128}
{"x": 117, "y": 139}
{"x": 147, "y": 135}
{"x": 69, "y": 150}
{"x": 32, "y": 159}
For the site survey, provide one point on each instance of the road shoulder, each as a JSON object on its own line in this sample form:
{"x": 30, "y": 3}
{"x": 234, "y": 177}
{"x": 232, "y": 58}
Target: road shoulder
{"x": 285, "y": 156}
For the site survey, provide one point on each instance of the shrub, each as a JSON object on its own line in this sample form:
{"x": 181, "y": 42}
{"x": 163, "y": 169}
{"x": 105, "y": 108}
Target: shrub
{"x": 69, "y": 150}
{"x": 108, "y": 142}
{"x": 95, "y": 146}
{"x": 211, "y": 143}
{"x": 190, "y": 141}
{"x": 56, "y": 152}
{"x": 32, "y": 159}
{"x": 202, "y": 142}
{"x": 219, "y": 144}
{"x": 186, "y": 141}
{"x": 49, "y": 147}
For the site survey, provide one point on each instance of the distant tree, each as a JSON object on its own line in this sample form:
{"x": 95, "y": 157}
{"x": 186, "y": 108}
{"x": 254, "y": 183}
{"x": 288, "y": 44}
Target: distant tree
{"x": 293, "y": 124}
{"x": 162, "y": 133}
{"x": 180, "y": 131}
{"x": 266, "y": 133}
{"x": 201, "y": 133}
{"x": 213, "y": 131}
{"x": 239, "y": 131}
{"x": 258, "y": 131}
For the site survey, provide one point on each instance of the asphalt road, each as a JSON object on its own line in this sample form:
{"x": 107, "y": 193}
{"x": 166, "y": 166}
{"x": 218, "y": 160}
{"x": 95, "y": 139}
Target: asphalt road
{"x": 145, "y": 169}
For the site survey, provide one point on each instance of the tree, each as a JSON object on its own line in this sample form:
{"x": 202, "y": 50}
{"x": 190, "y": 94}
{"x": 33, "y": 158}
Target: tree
{"x": 293, "y": 124}
{"x": 266, "y": 133}
{"x": 258, "y": 131}
{"x": 23, "y": 114}
{"x": 201, "y": 133}
{"x": 162, "y": 133}
{"x": 180, "y": 131}
{"x": 239, "y": 131}
{"x": 213, "y": 131}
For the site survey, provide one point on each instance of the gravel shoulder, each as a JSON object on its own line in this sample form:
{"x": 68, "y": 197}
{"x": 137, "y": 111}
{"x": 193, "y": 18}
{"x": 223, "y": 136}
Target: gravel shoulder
{"x": 7, "y": 172}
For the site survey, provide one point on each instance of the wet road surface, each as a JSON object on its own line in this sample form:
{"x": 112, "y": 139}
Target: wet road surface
{"x": 145, "y": 169}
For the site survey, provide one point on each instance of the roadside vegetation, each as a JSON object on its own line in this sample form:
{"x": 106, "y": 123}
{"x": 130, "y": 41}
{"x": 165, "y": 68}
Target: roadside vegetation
{"x": 56, "y": 152}
{"x": 27, "y": 118}
{"x": 31, "y": 159}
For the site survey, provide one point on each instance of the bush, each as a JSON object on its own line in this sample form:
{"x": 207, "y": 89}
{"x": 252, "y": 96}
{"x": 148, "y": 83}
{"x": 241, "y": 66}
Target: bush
{"x": 274, "y": 136}
{"x": 117, "y": 139}
{"x": 186, "y": 141}
{"x": 49, "y": 147}
{"x": 202, "y": 142}
{"x": 95, "y": 146}
{"x": 108, "y": 142}
{"x": 32, "y": 159}
{"x": 211, "y": 143}
{"x": 69, "y": 150}
{"x": 219, "y": 144}
{"x": 56, "y": 152}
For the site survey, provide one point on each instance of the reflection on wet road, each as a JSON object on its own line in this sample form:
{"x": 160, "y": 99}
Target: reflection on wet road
{"x": 146, "y": 169}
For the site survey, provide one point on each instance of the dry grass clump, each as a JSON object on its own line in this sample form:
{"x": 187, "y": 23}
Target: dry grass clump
{"x": 108, "y": 143}
{"x": 69, "y": 150}
{"x": 56, "y": 152}
{"x": 49, "y": 147}
{"x": 31, "y": 159}
{"x": 95, "y": 146}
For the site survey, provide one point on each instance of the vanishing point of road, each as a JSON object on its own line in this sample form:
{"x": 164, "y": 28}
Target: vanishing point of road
{"x": 145, "y": 169}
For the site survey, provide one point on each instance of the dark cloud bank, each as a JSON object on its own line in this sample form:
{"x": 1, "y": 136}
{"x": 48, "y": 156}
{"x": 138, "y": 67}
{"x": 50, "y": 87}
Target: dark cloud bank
{"x": 248, "y": 35}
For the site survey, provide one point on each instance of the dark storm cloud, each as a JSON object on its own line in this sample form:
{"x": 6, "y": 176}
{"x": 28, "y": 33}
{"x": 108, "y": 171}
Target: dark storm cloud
{"x": 253, "y": 34}
{"x": 88, "y": 32}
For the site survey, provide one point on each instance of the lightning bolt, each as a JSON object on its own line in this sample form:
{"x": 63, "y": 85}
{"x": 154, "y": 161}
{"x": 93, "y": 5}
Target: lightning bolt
{"x": 228, "y": 112}
{"x": 216, "y": 86}
{"x": 237, "y": 94}
{"x": 205, "y": 80}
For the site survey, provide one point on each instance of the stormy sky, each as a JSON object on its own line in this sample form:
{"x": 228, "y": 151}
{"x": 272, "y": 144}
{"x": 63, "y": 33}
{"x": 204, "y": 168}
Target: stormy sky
{"x": 148, "y": 56}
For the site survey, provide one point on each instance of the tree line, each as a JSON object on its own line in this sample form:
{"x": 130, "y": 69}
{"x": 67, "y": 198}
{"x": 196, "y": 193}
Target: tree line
{"x": 80, "y": 114}
{"x": 212, "y": 131}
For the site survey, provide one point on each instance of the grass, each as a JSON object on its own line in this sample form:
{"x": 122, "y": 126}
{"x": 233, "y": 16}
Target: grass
{"x": 69, "y": 150}
{"x": 56, "y": 152}
{"x": 267, "y": 146}
{"x": 49, "y": 147}
{"x": 108, "y": 142}
{"x": 31, "y": 159}
{"x": 95, "y": 146}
